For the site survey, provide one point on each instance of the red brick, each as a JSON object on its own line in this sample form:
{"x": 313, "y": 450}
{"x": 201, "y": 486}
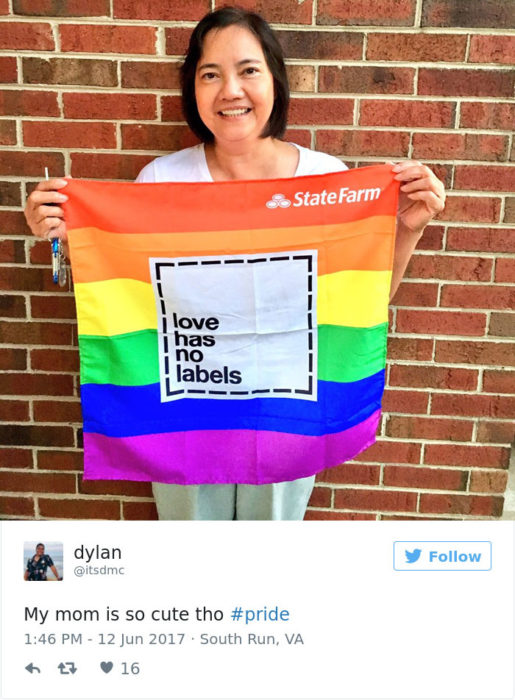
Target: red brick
{"x": 33, "y": 383}
{"x": 416, "y": 47}
{"x": 492, "y": 49}
{"x": 23, "y": 278}
{"x": 416, "y": 294}
{"x": 57, "y": 412}
{"x": 160, "y": 9}
{"x": 496, "y": 431}
{"x": 461, "y": 505}
{"x": 34, "y": 333}
{"x": 41, "y": 483}
{"x": 301, "y": 78}
{"x": 48, "y": 360}
{"x": 10, "y": 194}
{"x": 473, "y": 405}
{"x": 391, "y": 451}
{"x": 312, "y": 514}
{"x": 378, "y": 80}
{"x": 465, "y": 83}
{"x": 96, "y": 38}
{"x": 156, "y": 137}
{"x": 34, "y": 36}
{"x": 460, "y": 146}
{"x": 407, "y": 113}
{"x": 393, "y": 144}
{"x": 505, "y": 270}
{"x": 300, "y": 136}
{"x": 332, "y": 46}
{"x": 12, "y": 411}
{"x": 55, "y": 306}
{"x": 94, "y": 105}
{"x": 70, "y": 71}
{"x": 12, "y": 306}
{"x": 477, "y": 210}
{"x": 13, "y": 358}
{"x": 423, "y": 376}
{"x": 419, "y": 477}
{"x": 8, "y": 69}
{"x": 375, "y": 500}
{"x": 488, "y": 482}
{"x": 4, "y": 7}
{"x": 69, "y": 134}
{"x": 499, "y": 381}
{"x": 151, "y": 74}
{"x": 410, "y": 349}
{"x": 463, "y": 13}
{"x": 487, "y": 115}
{"x": 12, "y": 251}
{"x": 112, "y": 166}
{"x": 64, "y": 460}
{"x": 320, "y": 111}
{"x": 286, "y": 11}
{"x": 62, "y": 8}
{"x": 432, "y": 238}
{"x": 23, "y": 435}
{"x": 177, "y": 39}
{"x": 474, "y": 296}
{"x": 502, "y": 325}
{"x": 115, "y": 488}
{"x": 449, "y": 267}
{"x": 485, "y": 177}
{"x": 509, "y": 211}
{"x": 467, "y": 455}
{"x": 420, "y": 428}
{"x": 14, "y": 458}
{"x": 321, "y": 497}
{"x": 351, "y": 474}
{"x": 26, "y": 163}
{"x": 392, "y": 13}
{"x": 171, "y": 109}
{"x": 84, "y": 508}
{"x": 398, "y": 401}
{"x": 501, "y": 240}
{"x": 38, "y": 103}
{"x": 139, "y": 510}
{"x": 17, "y": 506}
{"x": 7, "y": 133}
{"x": 477, "y": 352}
{"x": 441, "y": 322}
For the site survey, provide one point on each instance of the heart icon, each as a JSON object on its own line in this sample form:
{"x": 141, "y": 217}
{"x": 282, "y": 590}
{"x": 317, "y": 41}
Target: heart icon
{"x": 106, "y": 666}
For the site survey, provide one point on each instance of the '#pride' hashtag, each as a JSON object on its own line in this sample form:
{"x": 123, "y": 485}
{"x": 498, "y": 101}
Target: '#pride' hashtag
{"x": 236, "y": 613}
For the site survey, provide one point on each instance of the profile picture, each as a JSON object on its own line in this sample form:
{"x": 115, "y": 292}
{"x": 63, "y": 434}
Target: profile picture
{"x": 43, "y": 561}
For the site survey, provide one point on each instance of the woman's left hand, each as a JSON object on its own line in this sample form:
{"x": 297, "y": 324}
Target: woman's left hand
{"x": 422, "y": 195}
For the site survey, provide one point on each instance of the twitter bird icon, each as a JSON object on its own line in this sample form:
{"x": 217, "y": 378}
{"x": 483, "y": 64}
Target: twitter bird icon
{"x": 412, "y": 557}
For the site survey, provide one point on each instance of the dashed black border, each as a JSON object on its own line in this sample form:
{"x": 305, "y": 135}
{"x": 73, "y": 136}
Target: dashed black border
{"x": 270, "y": 258}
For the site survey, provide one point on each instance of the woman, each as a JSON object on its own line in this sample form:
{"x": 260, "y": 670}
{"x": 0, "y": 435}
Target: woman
{"x": 38, "y": 564}
{"x": 235, "y": 98}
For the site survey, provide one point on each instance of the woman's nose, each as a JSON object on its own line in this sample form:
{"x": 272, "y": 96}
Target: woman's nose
{"x": 231, "y": 87}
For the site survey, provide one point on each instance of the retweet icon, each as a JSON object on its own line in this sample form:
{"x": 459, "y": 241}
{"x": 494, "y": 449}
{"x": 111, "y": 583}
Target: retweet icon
{"x": 412, "y": 557}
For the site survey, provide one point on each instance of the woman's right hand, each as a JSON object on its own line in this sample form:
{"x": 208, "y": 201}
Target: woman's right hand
{"x": 47, "y": 221}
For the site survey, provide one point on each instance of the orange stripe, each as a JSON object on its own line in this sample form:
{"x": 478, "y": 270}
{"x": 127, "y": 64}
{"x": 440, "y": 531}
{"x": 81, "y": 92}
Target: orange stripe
{"x": 361, "y": 245}
{"x": 192, "y": 206}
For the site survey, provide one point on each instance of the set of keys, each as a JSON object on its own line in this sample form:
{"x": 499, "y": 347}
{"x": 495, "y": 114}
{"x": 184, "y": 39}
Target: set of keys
{"x": 59, "y": 270}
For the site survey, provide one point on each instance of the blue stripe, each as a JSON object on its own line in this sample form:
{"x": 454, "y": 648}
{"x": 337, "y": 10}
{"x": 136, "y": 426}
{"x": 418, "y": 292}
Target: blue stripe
{"x": 121, "y": 411}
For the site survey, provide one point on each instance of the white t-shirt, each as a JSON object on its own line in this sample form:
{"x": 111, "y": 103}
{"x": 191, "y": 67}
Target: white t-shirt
{"x": 190, "y": 165}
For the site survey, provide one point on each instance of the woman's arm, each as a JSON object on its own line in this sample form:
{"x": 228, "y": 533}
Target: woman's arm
{"x": 422, "y": 197}
{"x": 54, "y": 571}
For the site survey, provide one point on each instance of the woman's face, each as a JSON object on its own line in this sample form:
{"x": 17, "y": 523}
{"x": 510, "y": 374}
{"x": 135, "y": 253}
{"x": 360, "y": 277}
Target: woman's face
{"x": 234, "y": 87}
{"x": 40, "y": 550}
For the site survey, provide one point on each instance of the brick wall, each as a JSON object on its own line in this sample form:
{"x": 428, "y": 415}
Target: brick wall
{"x": 89, "y": 88}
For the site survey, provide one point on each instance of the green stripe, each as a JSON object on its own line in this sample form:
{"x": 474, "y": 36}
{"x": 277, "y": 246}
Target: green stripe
{"x": 345, "y": 354}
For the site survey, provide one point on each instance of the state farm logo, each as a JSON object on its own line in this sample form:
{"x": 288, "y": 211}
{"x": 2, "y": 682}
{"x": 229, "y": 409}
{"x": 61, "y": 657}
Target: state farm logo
{"x": 278, "y": 200}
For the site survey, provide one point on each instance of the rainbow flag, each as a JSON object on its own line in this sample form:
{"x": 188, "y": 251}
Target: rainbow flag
{"x": 231, "y": 332}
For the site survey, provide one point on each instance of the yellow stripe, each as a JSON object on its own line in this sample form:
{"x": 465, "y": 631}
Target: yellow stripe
{"x": 348, "y": 298}
{"x": 353, "y": 298}
{"x": 115, "y": 306}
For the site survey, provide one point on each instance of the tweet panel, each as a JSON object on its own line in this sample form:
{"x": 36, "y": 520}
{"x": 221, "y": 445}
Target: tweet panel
{"x": 257, "y": 610}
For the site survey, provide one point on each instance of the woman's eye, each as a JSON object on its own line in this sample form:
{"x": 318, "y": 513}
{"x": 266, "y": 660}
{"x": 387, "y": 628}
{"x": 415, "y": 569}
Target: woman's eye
{"x": 250, "y": 71}
{"x": 208, "y": 76}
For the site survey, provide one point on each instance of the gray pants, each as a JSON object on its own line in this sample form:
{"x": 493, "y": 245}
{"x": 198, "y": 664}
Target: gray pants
{"x": 286, "y": 500}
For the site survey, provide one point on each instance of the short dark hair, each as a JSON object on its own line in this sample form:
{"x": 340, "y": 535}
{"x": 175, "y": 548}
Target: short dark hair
{"x": 40, "y": 545}
{"x": 219, "y": 19}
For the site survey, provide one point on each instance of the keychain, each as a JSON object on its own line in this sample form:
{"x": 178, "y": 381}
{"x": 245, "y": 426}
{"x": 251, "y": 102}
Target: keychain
{"x": 59, "y": 271}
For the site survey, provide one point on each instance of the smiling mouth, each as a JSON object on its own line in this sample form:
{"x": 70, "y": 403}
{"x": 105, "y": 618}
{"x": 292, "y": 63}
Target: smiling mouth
{"x": 234, "y": 112}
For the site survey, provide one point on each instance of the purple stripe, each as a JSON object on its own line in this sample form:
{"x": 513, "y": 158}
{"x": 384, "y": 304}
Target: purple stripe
{"x": 222, "y": 456}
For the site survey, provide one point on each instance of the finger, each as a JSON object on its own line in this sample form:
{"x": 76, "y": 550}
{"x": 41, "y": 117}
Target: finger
{"x": 38, "y": 197}
{"x": 55, "y": 183}
{"x": 49, "y": 224}
{"x": 45, "y": 212}
{"x": 424, "y": 183}
{"x": 413, "y": 172}
{"x": 433, "y": 203}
